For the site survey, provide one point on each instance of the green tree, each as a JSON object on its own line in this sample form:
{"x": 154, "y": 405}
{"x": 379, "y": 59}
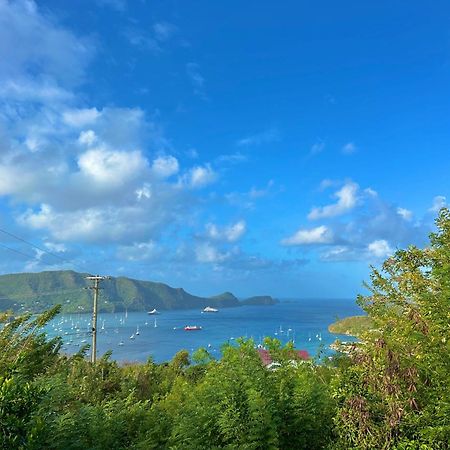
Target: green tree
{"x": 396, "y": 392}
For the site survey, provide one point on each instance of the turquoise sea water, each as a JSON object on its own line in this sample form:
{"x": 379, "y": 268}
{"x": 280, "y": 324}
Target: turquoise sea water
{"x": 303, "y": 321}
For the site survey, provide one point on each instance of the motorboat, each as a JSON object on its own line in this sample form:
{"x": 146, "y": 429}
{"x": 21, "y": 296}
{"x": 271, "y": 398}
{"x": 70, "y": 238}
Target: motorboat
{"x": 153, "y": 311}
{"x": 210, "y": 310}
{"x": 192, "y": 328}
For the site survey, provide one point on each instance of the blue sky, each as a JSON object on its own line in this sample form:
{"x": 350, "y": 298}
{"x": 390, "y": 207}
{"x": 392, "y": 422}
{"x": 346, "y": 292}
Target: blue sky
{"x": 258, "y": 147}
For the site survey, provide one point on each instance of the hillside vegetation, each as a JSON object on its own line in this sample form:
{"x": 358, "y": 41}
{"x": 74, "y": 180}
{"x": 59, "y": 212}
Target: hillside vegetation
{"x": 37, "y": 292}
{"x": 351, "y": 326}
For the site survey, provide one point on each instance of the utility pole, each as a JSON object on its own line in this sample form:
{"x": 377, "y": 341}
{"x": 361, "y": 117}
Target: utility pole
{"x": 96, "y": 279}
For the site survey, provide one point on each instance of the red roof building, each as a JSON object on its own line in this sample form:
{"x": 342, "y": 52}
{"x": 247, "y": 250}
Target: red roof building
{"x": 267, "y": 360}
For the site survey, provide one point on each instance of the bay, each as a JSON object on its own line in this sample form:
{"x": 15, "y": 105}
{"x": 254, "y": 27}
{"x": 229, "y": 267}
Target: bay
{"x": 304, "y": 321}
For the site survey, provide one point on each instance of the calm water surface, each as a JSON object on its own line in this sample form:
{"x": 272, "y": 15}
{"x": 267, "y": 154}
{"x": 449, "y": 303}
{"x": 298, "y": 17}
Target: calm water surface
{"x": 303, "y": 321}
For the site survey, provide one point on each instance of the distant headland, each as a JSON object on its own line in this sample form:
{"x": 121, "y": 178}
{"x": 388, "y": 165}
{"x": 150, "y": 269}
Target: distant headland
{"x": 36, "y": 292}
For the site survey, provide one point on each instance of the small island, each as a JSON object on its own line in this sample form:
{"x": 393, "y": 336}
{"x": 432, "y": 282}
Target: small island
{"x": 260, "y": 300}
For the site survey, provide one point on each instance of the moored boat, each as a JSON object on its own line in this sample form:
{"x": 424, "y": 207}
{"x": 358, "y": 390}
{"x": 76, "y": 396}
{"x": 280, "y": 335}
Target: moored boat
{"x": 209, "y": 309}
{"x": 192, "y": 328}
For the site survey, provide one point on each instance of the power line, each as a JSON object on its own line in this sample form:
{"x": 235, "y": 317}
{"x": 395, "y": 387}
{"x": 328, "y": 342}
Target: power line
{"x": 38, "y": 248}
{"x": 16, "y": 251}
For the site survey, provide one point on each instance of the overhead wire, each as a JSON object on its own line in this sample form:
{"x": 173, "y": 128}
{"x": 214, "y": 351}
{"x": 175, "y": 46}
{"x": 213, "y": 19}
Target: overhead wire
{"x": 38, "y": 248}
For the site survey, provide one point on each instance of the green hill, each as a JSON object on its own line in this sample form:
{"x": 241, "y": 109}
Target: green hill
{"x": 352, "y": 326}
{"x": 36, "y": 292}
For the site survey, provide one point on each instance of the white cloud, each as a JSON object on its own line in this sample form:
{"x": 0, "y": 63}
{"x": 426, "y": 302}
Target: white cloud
{"x": 318, "y": 235}
{"x": 200, "y": 176}
{"x": 346, "y": 201}
{"x": 232, "y": 158}
{"x": 87, "y": 138}
{"x": 380, "y": 248}
{"x": 33, "y": 48}
{"x": 404, "y": 213}
{"x": 111, "y": 167}
{"x": 81, "y": 117}
{"x": 370, "y": 192}
{"x": 139, "y": 251}
{"x": 231, "y": 233}
{"x": 349, "y": 148}
{"x": 317, "y": 148}
{"x": 34, "y": 91}
{"x": 265, "y": 137}
{"x": 207, "y": 253}
{"x": 144, "y": 192}
{"x": 438, "y": 202}
{"x": 55, "y": 247}
{"x": 164, "y": 31}
{"x": 165, "y": 166}
{"x": 337, "y": 253}
{"x": 196, "y": 78}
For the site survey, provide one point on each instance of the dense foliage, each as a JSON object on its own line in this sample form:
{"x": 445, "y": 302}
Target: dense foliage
{"x": 390, "y": 391}
{"x": 396, "y": 391}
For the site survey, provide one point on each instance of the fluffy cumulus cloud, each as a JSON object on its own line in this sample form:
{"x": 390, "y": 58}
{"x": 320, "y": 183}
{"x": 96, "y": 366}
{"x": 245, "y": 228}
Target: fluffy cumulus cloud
{"x": 207, "y": 253}
{"x": 77, "y": 173}
{"x": 404, "y": 213}
{"x": 380, "y": 248}
{"x": 199, "y": 177}
{"x": 111, "y": 167}
{"x": 231, "y": 233}
{"x": 165, "y": 166}
{"x": 346, "y": 200}
{"x": 80, "y": 117}
{"x": 318, "y": 235}
{"x": 371, "y": 232}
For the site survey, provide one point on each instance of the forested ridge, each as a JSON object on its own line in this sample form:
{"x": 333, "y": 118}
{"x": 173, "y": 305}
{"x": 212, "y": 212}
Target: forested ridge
{"x": 37, "y": 292}
{"x": 390, "y": 391}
